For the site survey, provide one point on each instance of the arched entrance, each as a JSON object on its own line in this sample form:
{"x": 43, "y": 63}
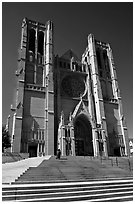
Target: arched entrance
{"x": 83, "y": 136}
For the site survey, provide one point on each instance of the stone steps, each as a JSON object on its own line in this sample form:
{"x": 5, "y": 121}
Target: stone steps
{"x": 71, "y": 179}
{"x": 109, "y": 190}
{"x": 71, "y": 168}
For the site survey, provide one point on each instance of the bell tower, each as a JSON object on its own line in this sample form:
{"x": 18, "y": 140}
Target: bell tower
{"x": 34, "y": 109}
{"x": 110, "y": 133}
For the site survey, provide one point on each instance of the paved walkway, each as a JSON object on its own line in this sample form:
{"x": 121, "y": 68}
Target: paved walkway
{"x": 11, "y": 171}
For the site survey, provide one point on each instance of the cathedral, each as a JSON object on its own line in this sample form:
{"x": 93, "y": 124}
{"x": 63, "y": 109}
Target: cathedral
{"x": 63, "y": 102}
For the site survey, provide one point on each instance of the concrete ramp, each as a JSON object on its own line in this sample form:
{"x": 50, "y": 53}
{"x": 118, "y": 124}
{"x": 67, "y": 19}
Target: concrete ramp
{"x": 11, "y": 171}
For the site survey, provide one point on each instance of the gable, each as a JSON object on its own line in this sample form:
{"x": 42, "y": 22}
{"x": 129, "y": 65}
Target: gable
{"x": 69, "y": 55}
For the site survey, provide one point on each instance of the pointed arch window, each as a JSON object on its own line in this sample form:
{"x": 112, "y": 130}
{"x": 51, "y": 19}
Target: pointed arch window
{"x": 41, "y": 42}
{"x": 40, "y": 49}
{"x": 98, "y": 59}
{"x": 106, "y": 63}
{"x": 32, "y": 33}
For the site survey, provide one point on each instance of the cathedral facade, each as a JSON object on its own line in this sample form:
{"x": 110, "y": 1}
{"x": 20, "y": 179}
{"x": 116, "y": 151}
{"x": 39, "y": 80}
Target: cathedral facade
{"x": 63, "y": 102}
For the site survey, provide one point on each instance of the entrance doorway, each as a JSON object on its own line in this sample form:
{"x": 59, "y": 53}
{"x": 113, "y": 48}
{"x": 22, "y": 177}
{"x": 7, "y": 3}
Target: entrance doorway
{"x": 83, "y": 136}
{"x": 79, "y": 147}
{"x": 32, "y": 150}
{"x": 117, "y": 151}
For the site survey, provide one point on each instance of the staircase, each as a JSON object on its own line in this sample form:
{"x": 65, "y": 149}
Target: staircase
{"x": 107, "y": 190}
{"x": 73, "y": 169}
{"x": 73, "y": 179}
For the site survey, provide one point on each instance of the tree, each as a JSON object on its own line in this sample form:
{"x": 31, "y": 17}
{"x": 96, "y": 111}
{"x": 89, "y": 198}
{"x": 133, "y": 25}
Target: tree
{"x": 6, "y": 138}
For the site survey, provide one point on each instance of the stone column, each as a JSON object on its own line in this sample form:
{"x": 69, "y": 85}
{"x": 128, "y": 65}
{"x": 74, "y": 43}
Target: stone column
{"x": 44, "y": 149}
{"x": 13, "y": 131}
{"x": 105, "y": 148}
{"x": 95, "y": 143}
{"x": 72, "y": 141}
{"x": 49, "y": 107}
{"x": 38, "y": 149}
{"x": 104, "y": 143}
{"x": 95, "y": 79}
{"x": 63, "y": 142}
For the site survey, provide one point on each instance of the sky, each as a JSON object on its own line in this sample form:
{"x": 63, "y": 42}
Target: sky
{"x": 73, "y": 22}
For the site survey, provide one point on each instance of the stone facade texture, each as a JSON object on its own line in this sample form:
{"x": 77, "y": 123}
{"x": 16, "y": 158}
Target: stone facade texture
{"x": 64, "y": 102}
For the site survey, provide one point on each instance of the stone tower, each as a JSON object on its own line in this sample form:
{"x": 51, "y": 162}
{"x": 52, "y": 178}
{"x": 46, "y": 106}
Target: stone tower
{"x": 64, "y": 102}
{"x": 32, "y": 121}
{"x": 89, "y": 118}
{"x": 111, "y": 132}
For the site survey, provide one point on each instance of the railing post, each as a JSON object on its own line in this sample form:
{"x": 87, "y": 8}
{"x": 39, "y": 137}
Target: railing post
{"x": 129, "y": 164}
{"x": 116, "y": 161}
{"x": 101, "y": 159}
{"x": 112, "y": 162}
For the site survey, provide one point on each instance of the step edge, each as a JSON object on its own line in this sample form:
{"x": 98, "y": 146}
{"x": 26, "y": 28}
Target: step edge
{"x": 120, "y": 190}
{"x": 69, "y": 182}
{"x": 74, "y": 187}
{"x": 70, "y": 197}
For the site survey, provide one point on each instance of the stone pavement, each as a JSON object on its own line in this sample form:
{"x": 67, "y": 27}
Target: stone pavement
{"x": 11, "y": 171}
